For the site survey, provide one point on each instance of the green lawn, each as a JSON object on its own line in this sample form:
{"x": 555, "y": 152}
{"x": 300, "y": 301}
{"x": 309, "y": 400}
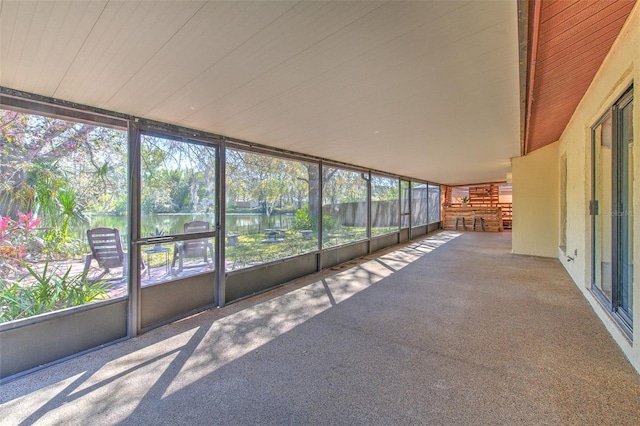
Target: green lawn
{"x": 256, "y": 249}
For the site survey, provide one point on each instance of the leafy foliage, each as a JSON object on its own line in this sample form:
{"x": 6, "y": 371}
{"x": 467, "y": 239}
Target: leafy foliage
{"x": 16, "y": 238}
{"x": 38, "y": 293}
{"x": 50, "y": 154}
{"x": 177, "y": 176}
{"x": 60, "y": 170}
{"x": 301, "y": 220}
{"x": 329, "y": 223}
{"x": 274, "y": 183}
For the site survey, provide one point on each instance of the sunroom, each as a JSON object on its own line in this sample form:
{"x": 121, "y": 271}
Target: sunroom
{"x": 164, "y": 158}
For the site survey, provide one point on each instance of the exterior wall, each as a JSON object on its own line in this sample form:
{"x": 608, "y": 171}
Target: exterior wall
{"x": 620, "y": 69}
{"x": 536, "y": 185}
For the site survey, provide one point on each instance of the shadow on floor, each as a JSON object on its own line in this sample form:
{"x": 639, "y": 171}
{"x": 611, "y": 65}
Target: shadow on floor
{"x": 450, "y": 329}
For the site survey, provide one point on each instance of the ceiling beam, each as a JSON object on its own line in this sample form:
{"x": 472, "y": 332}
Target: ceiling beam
{"x": 523, "y": 42}
{"x": 534, "y": 31}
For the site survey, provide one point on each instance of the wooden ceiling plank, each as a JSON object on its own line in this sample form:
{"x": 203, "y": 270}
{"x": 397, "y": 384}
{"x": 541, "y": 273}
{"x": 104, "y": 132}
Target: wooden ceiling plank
{"x": 77, "y": 83}
{"x": 594, "y": 23}
{"x": 8, "y": 22}
{"x": 61, "y": 28}
{"x": 130, "y": 33}
{"x": 550, "y": 134}
{"x": 573, "y": 44}
{"x": 330, "y": 52}
{"x": 551, "y": 8}
{"x": 51, "y": 49}
{"x": 584, "y": 72}
{"x": 582, "y": 41}
{"x": 376, "y": 116}
{"x": 554, "y": 109}
{"x": 370, "y": 90}
{"x": 581, "y": 60}
{"x": 25, "y": 31}
{"x": 531, "y": 70}
{"x": 578, "y": 15}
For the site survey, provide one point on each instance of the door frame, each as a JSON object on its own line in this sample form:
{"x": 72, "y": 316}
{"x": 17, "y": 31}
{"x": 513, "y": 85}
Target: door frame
{"x": 207, "y": 296}
{"x": 619, "y": 200}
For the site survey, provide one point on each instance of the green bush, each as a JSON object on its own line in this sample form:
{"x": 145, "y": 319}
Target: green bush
{"x": 328, "y": 223}
{"x": 301, "y": 220}
{"x": 49, "y": 292}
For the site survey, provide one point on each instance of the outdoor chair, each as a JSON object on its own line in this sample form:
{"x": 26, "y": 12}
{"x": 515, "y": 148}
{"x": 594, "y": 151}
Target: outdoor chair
{"x": 192, "y": 248}
{"x": 106, "y": 249}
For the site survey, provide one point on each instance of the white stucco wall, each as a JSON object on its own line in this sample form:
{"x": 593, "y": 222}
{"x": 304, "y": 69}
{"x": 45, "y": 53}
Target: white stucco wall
{"x": 536, "y": 184}
{"x": 620, "y": 69}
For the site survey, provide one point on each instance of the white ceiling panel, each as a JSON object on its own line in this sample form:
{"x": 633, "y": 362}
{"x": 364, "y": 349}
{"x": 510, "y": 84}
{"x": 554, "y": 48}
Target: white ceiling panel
{"x": 125, "y": 37}
{"x": 40, "y": 40}
{"x": 345, "y": 49}
{"x": 332, "y": 66}
{"x": 215, "y": 32}
{"x": 298, "y": 29}
{"x": 424, "y": 89}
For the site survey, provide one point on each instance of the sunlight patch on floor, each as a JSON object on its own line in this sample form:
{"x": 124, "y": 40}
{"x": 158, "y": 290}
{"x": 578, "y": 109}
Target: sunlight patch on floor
{"x": 236, "y": 335}
{"x": 15, "y": 411}
{"x": 132, "y": 362}
{"x": 161, "y": 368}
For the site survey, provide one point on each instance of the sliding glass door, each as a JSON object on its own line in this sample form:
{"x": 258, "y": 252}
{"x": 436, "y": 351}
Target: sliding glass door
{"x": 611, "y": 210}
{"x": 601, "y": 207}
{"x": 623, "y": 221}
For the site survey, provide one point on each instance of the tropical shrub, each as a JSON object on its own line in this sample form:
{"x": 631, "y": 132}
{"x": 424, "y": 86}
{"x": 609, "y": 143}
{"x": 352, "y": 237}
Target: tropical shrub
{"x": 329, "y": 223}
{"x": 38, "y": 293}
{"x": 57, "y": 201}
{"x": 16, "y": 241}
{"x": 301, "y": 220}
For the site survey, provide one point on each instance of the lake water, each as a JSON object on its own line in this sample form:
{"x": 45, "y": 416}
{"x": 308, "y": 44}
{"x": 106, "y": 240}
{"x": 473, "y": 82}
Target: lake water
{"x": 173, "y": 223}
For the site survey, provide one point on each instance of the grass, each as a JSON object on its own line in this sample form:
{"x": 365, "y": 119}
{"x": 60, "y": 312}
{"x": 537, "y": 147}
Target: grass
{"x": 252, "y": 250}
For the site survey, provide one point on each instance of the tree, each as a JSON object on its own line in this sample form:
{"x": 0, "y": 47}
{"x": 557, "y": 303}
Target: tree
{"x": 268, "y": 180}
{"x": 59, "y": 170}
{"x": 63, "y": 154}
{"x": 177, "y": 176}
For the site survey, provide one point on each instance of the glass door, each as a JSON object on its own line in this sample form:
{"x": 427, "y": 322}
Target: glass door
{"x": 623, "y": 225}
{"x": 611, "y": 210}
{"x": 178, "y": 227}
{"x": 405, "y": 204}
{"x": 601, "y": 207}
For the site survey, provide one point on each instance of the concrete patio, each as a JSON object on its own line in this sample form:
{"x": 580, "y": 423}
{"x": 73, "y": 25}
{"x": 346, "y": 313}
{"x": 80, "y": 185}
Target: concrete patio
{"x": 449, "y": 329}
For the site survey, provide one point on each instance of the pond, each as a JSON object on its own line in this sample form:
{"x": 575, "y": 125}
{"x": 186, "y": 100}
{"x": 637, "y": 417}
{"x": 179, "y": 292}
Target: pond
{"x": 172, "y": 223}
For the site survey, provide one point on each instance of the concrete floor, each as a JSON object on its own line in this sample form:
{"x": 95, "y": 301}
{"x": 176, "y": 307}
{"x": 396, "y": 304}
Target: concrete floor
{"x": 452, "y": 329}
